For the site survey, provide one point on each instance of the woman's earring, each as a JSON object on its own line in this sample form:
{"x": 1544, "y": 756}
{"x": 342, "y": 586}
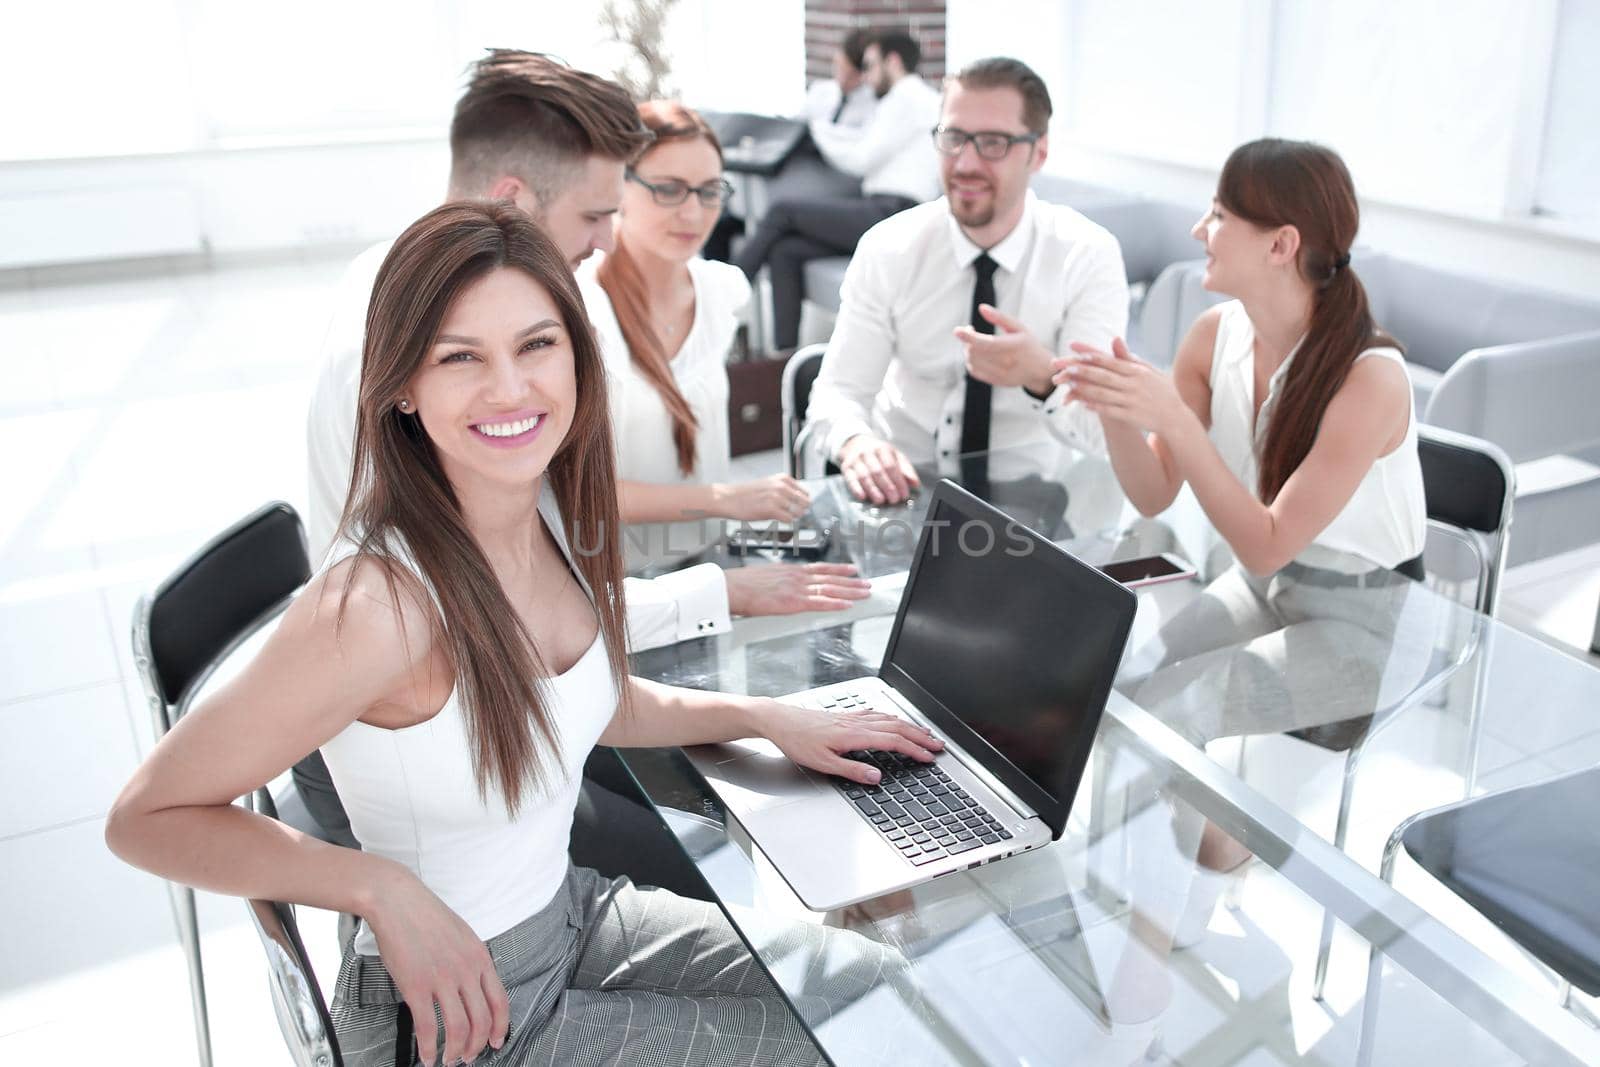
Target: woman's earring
{"x": 405, "y": 406}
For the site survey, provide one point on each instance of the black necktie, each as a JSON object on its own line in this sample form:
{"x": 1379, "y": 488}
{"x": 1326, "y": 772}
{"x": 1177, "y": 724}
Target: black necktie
{"x": 975, "y": 414}
{"x": 844, "y": 98}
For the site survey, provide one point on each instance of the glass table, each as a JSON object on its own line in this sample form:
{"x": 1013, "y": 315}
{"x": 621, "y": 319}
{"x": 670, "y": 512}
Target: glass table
{"x": 1049, "y": 957}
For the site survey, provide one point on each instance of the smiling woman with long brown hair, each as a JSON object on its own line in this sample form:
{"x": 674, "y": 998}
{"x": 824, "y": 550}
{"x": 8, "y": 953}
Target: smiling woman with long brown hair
{"x": 456, "y": 659}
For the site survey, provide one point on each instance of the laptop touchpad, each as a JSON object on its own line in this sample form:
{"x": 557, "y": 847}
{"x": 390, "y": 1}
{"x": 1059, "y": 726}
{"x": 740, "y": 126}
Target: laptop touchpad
{"x": 753, "y": 775}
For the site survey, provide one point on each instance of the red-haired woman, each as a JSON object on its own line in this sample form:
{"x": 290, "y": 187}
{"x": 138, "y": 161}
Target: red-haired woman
{"x": 666, "y": 320}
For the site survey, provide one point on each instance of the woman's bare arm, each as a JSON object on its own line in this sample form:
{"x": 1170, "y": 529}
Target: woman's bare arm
{"x": 312, "y": 679}
{"x": 668, "y": 715}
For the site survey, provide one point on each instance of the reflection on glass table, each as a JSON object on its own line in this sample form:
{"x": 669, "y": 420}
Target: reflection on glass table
{"x": 1048, "y": 957}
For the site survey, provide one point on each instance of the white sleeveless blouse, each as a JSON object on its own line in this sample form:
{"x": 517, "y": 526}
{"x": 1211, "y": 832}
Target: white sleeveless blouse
{"x": 412, "y": 796}
{"x": 1385, "y": 521}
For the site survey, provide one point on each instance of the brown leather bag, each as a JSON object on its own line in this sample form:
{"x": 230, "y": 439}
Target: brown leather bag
{"x": 755, "y": 405}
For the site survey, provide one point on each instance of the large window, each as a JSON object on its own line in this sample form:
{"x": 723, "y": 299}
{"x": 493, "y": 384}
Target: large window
{"x": 1476, "y": 108}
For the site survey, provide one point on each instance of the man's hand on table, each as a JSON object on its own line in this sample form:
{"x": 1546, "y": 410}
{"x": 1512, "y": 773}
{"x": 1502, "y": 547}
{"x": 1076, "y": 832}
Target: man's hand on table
{"x": 876, "y": 471}
{"x": 790, "y": 588}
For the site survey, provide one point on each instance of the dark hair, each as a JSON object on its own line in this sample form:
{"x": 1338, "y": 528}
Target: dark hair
{"x": 619, "y": 276}
{"x": 532, "y": 116}
{"x": 402, "y": 501}
{"x": 897, "y": 42}
{"x": 1002, "y": 72}
{"x": 1271, "y": 183}
{"x": 854, "y": 46}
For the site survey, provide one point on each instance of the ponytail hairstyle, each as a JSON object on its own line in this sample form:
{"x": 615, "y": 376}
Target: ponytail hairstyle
{"x": 401, "y": 499}
{"x": 1272, "y": 183}
{"x": 619, "y": 276}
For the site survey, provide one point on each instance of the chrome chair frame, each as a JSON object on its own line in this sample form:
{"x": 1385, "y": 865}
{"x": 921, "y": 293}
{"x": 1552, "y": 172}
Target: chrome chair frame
{"x": 297, "y": 1000}
{"x": 1391, "y": 853}
{"x": 796, "y": 434}
{"x": 164, "y": 715}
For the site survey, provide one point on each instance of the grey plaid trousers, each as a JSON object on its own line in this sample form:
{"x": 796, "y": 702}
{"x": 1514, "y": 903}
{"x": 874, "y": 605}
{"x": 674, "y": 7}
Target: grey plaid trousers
{"x": 612, "y": 973}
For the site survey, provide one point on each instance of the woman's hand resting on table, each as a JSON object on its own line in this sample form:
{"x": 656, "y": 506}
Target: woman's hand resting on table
{"x": 434, "y": 958}
{"x": 776, "y": 498}
{"x": 819, "y": 739}
{"x": 790, "y": 588}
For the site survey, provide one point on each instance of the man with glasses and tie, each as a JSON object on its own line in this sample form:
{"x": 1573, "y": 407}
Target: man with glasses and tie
{"x": 952, "y": 310}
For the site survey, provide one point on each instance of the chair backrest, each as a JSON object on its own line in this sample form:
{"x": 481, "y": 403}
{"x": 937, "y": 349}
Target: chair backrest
{"x": 1470, "y": 485}
{"x": 1440, "y": 314}
{"x": 1533, "y": 399}
{"x": 296, "y": 997}
{"x": 798, "y": 377}
{"x": 215, "y": 600}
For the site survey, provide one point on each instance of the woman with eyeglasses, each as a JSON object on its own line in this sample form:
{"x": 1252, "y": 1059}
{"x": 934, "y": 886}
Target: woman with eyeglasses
{"x": 666, "y": 319}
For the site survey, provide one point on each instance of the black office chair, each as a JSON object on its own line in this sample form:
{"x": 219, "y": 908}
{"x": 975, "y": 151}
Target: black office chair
{"x": 1528, "y": 859}
{"x": 1469, "y": 484}
{"x": 799, "y": 375}
{"x": 192, "y": 622}
{"x": 296, "y": 997}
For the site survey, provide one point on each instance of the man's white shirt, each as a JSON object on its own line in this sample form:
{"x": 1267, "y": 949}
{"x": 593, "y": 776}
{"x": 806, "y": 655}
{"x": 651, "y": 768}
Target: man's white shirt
{"x": 689, "y": 603}
{"x": 822, "y": 104}
{"x": 894, "y": 153}
{"x": 894, "y": 368}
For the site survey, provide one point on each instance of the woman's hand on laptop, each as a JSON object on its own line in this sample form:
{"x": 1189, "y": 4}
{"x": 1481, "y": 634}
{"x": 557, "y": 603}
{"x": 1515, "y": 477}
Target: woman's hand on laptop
{"x": 818, "y": 739}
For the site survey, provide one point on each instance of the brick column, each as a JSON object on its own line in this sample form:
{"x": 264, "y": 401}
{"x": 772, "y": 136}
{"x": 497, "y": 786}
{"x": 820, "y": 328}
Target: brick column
{"x": 827, "y": 21}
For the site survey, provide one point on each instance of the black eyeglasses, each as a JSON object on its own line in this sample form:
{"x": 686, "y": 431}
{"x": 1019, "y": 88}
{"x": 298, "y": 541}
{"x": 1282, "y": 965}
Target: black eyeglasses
{"x": 673, "y": 192}
{"x": 991, "y": 144}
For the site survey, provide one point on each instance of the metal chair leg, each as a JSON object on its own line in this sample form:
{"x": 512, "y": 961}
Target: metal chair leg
{"x": 1340, "y": 832}
{"x": 1369, "y": 1003}
{"x": 189, "y": 936}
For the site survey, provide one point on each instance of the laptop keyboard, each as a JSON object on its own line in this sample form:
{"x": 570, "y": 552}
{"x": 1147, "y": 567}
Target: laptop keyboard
{"x": 916, "y": 806}
{"x": 920, "y": 810}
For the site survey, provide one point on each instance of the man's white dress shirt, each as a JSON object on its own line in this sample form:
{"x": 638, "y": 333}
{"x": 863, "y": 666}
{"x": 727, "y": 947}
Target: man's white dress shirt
{"x": 894, "y": 368}
{"x": 894, "y": 154}
{"x": 688, "y": 603}
{"x": 822, "y": 104}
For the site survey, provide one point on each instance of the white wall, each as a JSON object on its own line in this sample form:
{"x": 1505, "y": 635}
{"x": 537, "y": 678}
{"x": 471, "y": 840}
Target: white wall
{"x": 181, "y": 126}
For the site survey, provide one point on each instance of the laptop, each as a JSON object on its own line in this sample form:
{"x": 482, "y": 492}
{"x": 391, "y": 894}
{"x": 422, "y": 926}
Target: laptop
{"x": 1005, "y": 646}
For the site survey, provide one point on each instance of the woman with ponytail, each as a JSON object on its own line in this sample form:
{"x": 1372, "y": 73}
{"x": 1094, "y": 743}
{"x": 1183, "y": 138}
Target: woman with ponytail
{"x": 666, "y": 320}
{"x": 1288, "y": 412}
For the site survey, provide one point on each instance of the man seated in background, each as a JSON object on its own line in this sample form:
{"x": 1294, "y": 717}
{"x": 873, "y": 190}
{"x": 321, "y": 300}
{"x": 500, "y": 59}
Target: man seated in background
{"x": 847, "y": 99}
{"x": 898, "y": 169}
{"x": 951, "y": 311}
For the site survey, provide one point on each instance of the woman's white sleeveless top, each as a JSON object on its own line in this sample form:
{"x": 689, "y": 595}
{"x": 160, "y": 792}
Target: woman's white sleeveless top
{"x": 412, "y": 795}
{"x": 1385, "y": 521}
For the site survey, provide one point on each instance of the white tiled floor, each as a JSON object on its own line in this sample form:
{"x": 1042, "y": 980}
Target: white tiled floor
{"x": 138, "y": 416}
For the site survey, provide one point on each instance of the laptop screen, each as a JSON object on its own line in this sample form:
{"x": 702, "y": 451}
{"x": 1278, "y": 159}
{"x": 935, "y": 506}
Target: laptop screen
{"x": 1009, "y": 644}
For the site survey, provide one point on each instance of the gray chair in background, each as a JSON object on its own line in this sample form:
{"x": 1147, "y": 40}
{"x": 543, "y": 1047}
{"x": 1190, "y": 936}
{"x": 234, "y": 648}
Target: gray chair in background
{"x": 191, "y": 623}
{"x": 1442, "y": 315}
{"x": 1540, "y": 401}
